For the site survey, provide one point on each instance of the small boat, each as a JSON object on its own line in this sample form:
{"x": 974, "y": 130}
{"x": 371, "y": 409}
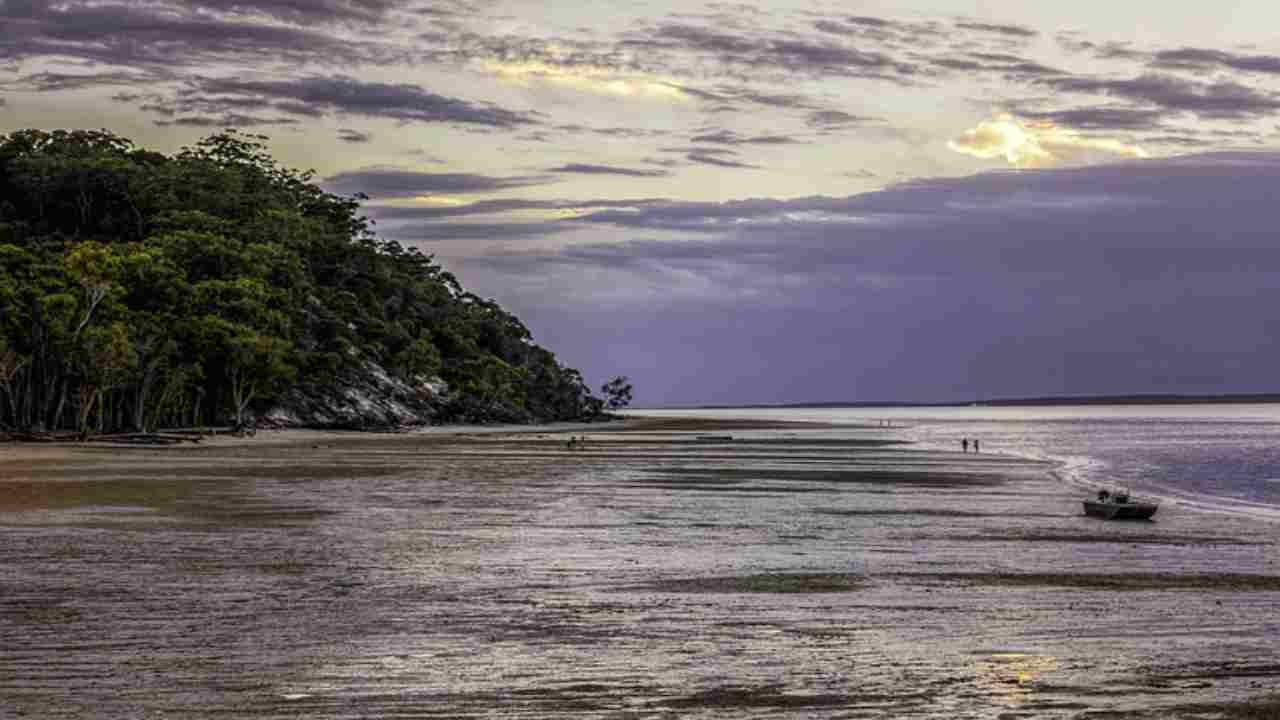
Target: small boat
{"x": 1119, "y": 506}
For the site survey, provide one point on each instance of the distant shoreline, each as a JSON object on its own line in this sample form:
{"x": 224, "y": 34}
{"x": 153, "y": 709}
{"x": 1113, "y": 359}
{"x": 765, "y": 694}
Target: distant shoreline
{"x": 1149, "y": 399}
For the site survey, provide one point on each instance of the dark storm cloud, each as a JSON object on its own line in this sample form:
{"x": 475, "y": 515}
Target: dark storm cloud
{"x": 396, "y": 183}
{"x": 1144, "y": 276}
{"x": 348, "y": 135}
{"x": 1212, "y": 100}
{"x": 1140, "y": 219}
{"x": 590, "y": 169}
{"x": 349, "y": 96}
{"x": 1015, "y": 31}
{"x": 1204, "y": 59}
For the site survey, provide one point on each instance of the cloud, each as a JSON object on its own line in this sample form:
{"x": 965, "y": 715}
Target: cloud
{"x": 349, "y": 135}
{"x": 1074, "y": 280}
{"x": 349, "y": 96}
{"x": 440, "y": 232}
{"x": 774, "y": 100}
{"x": 226, "y": 120}
{"x": 602, "y": 80}
{"x": 764, "y": 52}
{"x": 1220, "y": 100}
{"x": 1103, "y": 50}
{"x": 729, "y": 137}
{"x": 614, "y": 132}
{"x": 1004, "y": 65}
{"x": 1036, "y": 143}
{"x": 589, "y": 169}
{"x": 303, "y": 11}
{"x": 166, "y": 35}
{"x": 836, "y": 120}
{"x": 727, "y": 98}
{"x": 500, "y": 206}
{"x": 1101, "y": 117}
{"x": 885, "y": 32}
{"x": 383, "y": 182}
{"x": 572, "y": 63}
{"x": 54, "y": 82}
{"x": 1204, "y": 59}
{"x": 1014, "y": 31}
{"x": 1031, "y": 221}
{"x": 706, "y": 157}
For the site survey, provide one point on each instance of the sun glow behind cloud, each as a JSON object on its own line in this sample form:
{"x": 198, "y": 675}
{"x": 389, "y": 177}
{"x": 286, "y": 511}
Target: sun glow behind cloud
{"x": 590, "y": 78}
{"x": 1030, "y": 144}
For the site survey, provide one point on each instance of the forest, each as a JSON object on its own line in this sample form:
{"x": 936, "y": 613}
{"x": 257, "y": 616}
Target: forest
{"x": 140, "y": 291}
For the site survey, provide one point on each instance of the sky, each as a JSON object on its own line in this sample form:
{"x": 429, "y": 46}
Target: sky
{"x": 766, "y": 202}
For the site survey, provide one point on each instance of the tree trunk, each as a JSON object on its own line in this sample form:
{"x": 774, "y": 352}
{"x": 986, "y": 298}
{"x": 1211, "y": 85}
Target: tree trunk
{"x": 62, "y": 402}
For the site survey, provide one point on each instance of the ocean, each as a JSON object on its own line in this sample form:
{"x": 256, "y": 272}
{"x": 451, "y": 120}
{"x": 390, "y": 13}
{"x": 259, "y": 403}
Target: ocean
{"x": 1217, "y": 458}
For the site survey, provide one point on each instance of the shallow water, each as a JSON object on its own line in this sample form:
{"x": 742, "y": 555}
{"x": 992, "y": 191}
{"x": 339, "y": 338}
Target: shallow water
{"x": 784, "y": 573}
{"x": 1223, "y": 457}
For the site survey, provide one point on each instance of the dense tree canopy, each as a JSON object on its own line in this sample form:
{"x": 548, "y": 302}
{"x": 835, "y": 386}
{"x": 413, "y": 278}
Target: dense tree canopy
{"x": 140, "y": 290}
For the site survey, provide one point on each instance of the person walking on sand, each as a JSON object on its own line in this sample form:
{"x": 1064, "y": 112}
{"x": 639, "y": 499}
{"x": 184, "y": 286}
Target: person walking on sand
{"x": 964, "y": 444}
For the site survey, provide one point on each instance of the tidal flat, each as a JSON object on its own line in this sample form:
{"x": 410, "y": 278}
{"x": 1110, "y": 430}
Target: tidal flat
{"x": 656, "y": 570}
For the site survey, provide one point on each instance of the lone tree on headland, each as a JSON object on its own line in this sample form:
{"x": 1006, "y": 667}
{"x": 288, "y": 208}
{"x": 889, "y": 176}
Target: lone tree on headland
{"x": 617, "y": 392}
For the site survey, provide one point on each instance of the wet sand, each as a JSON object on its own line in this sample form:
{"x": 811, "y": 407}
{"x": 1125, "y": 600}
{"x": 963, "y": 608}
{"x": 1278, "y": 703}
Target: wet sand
{"x": 657, "y": 570}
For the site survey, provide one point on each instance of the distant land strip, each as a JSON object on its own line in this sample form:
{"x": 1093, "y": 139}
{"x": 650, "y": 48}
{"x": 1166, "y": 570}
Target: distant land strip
{"x": 1145, "y": 399}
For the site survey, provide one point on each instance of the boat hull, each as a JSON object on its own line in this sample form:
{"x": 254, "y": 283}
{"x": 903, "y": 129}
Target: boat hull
{"x": 1120, "y": 511}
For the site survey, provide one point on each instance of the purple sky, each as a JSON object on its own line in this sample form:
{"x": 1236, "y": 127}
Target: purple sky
{"x": 780, "y": 201}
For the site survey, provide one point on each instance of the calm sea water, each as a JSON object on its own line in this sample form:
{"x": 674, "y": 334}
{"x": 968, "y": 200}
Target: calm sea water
{"x": 1216, "y": 457}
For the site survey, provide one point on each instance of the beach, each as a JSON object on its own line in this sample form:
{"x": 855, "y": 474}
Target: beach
{"x": 658, "y": 568}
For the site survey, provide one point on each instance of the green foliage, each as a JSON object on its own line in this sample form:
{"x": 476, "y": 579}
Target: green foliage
{"x": 617, "y": 392}
{"x": 138, "y": 289}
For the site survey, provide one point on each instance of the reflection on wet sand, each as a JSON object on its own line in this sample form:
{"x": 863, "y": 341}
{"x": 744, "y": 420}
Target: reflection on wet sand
{"x": 785, "y": 572}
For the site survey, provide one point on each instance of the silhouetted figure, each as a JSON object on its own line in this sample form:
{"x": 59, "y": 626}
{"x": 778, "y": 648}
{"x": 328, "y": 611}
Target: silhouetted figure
{"x": 572, "y": 441}
{"x": 975, "y": 446}
{"x": 964, "y": 444}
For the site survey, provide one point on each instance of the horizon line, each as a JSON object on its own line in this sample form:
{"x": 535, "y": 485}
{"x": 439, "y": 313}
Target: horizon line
{"x": 1043, "y": 400}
